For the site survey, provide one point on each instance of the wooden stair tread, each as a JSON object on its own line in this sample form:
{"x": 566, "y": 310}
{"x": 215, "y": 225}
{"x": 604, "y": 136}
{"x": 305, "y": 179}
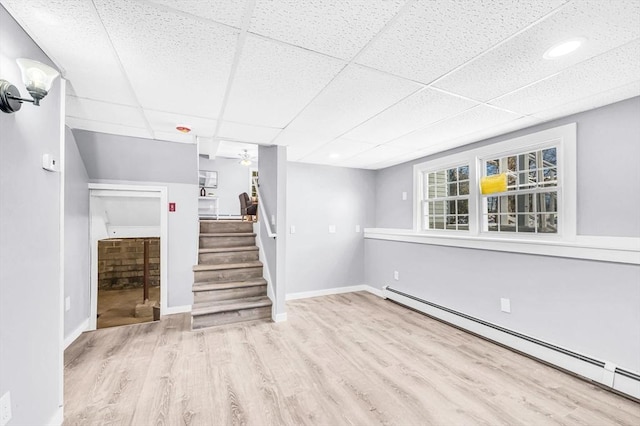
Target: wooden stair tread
{"x": 230, "y": 285}
{"x": 229, "y": 234}
{"x": 227, "y": 249}
{"x": 218, "y": 267}
{"x": 207, "y": 308}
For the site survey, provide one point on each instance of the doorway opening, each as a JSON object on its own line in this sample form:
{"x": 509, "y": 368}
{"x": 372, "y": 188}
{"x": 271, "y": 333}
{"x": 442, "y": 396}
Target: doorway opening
{"x": 128, "y": 254}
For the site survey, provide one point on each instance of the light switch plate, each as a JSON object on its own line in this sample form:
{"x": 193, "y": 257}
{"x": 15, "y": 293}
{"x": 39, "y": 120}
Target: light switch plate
{"x": 67, "y": 303}
{"x": 404, "y": 196}
{"x": 332, "y": 229}
{"x": 505, "y": 305}
{"x": 396, "y": 275}
{"x": 357, "y": 228}
{"x": 292, "y": 229}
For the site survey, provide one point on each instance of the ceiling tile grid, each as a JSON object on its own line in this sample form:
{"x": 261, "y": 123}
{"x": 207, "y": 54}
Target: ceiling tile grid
{"x": 433, "y": 37}
{"x": 613, "y": 69}
{"x": 104, "y": 111}
{"x": 166, "y": 122}
{"x": 354, "y": 96}
{"x": 374, "y": 155}
{"x": 174, "y": 62}
{"x": 412, "y": 113}
{"x": 336, "y": 151}
{"x": 111, "y": 128}
{"x": 247, "y": 132}
{"x": 468, "y": 122}
{"x": 71, "y": 32}
{"x": 519, "y": 61}
{"x": 228, "y": 12}
{"x": 340, "y": 28}
{"x": 275, "y": 81}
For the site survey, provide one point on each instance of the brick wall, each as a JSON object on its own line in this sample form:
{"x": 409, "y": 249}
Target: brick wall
{"x": 121, "y": 263}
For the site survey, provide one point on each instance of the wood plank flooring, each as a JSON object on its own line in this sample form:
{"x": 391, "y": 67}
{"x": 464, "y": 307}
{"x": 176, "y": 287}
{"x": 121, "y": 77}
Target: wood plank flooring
{"x": 349, "y": 359}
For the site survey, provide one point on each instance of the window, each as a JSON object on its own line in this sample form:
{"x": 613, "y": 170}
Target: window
{"x": 446, "y": 198}
{"x": 538, "y": 189}
{"x": 530, "y": 203}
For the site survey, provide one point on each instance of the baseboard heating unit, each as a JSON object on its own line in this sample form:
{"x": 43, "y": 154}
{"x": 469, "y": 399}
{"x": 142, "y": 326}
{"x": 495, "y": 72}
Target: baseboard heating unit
{"x": 600, "y": 371}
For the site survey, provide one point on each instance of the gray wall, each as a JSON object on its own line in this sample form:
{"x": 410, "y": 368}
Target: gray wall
{"x": 76, "y": 237}
{"x": 273, "y": 197}
{"x": 233, "y": 180}
{"x": 133, "y": 161}
{"x": 586, "y": 306}
{"x": 30, "y": 287}
{"x": 320, "y": 196}
{"x": 127, "y": 158}
{"x": 608, "y": 173}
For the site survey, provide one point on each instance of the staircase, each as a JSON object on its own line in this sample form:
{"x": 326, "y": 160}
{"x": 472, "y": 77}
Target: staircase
{"x": 228, "y": 285}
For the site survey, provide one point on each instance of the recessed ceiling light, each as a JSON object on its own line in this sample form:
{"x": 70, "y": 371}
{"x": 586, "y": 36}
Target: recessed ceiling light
{"x": 183, "y": 129}
{"x": 334, "y": 155}
{"x": 563, "y": 48}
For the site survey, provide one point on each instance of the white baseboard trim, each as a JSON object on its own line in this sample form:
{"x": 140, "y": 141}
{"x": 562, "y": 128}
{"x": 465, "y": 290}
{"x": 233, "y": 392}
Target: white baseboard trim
{"x": 84, "y": 326}
{"x": 335, "y": 290}
{"x": 280, "y": 317}
{"x": 58, "y": 416}
{"x": 597, "y": 370}
{"x": 170, "y": 310}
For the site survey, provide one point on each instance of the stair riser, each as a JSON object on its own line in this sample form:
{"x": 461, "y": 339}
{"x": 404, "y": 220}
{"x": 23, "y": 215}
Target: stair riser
{"x": 230, "y": 317}
{"x": 228, "y": 294}
{"x": 220, "y": 227}
{"x": 226, "y": 258}
{"x": 227, "y": 275}
{"x": 216, "y": 242}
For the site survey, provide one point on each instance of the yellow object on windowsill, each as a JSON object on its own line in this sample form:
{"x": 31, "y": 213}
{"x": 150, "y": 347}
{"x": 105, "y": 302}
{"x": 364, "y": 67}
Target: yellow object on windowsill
{"x": 493, "y": 184}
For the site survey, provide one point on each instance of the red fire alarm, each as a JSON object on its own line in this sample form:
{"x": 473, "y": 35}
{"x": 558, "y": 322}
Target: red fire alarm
{"x": 172, "y": 207}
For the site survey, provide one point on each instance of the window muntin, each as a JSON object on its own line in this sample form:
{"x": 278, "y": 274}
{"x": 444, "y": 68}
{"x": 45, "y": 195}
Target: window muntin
{"x": 530, "y": 204}
{"x": 446, "y": 198}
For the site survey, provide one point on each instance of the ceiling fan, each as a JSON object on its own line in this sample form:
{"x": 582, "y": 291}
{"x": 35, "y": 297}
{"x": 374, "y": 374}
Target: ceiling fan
{"x": 245, "y": 158}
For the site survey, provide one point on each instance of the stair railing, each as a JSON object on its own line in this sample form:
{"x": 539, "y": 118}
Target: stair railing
{"x": 263, "y": 210}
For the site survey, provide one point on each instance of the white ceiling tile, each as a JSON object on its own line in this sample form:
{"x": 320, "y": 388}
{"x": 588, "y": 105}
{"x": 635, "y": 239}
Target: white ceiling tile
{"x": 520, "y": 61}
{"x": 433, "y": 37}
{"x": 174, "y": 137}
{"x": 412, "y": 113}
{"x": 374, "y": 155}
{"x": 247, "y": 133}
{"x": 103, "y": 111}
{"x": 71, "y": 33}
{"x": 229, "y": 12}
{"x": 468, "y": 123}
{"x": 175, "y": 62}
{"x": 166, "y": 122}
{"x": 354, "y": 96}
{"x": 110, "y": 128}
{"x": 608, "y": 71}
{"x": 275, "y": 81}
{"x": 337, "y": 151}
{"x": 340, "y": 28}
{"x": 590, "y": 102}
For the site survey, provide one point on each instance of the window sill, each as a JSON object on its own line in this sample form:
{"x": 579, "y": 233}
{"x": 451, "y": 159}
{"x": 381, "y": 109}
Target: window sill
{"x": 607, "y": 249}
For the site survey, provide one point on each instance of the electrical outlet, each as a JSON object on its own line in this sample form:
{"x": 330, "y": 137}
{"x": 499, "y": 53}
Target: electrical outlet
{"x": 404, "y": 196}
{"x": 332, "y": 229}
{"x": 357, "y": 228}
{"x": 67, "y": 303}
{"x": 505, "y": 305}
{"x": 292, "y": 230}
{"x": 396, "y": 275}
{"x": 5, "y": 409}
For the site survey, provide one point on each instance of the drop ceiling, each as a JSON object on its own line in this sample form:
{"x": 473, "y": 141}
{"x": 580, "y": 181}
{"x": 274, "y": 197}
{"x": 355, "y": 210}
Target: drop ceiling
{"x": 354, "y": 83}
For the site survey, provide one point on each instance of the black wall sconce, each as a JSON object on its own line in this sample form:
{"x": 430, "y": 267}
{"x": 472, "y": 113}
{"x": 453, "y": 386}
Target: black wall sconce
{"x": 36, "y": 76}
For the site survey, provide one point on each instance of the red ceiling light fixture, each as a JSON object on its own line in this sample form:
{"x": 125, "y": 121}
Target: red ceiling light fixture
{"x": 183, "y": 129}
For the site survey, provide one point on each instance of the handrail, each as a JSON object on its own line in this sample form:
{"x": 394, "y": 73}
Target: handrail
{"x": 263, "y": 211}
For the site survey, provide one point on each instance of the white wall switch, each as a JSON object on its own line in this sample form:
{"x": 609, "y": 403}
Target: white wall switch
{"x": 404, "y": 196}
{"x": 396, "y": 275}
{"x": 505, "y": 305}
{"x": 357, "y": 228}
{"x": 49, "y": 163}
{"x": 5, "y": 409}
{"x": 292, "y": 229}
{"x": 67, "y": 303}
{"x": 273, "y": 219}
{"x": 332, "y": 229}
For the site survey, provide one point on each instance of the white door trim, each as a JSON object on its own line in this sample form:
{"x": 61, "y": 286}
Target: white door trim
{"x": 117, "y": 190}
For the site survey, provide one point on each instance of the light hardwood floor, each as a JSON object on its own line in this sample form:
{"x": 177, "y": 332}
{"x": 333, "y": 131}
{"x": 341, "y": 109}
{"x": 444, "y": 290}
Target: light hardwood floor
{"x": 350, "y": 359}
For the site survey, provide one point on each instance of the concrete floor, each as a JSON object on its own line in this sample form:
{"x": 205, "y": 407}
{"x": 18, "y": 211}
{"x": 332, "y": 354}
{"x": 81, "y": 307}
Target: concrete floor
{"x": 117, "y": 307}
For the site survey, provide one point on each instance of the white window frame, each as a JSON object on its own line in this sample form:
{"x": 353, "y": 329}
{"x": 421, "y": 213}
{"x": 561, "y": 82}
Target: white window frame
{"x": 563, "y": 138}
